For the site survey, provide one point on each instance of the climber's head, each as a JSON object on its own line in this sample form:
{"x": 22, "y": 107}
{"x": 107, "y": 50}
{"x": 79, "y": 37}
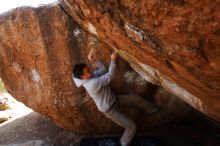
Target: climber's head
{"x": 82, "y": 71}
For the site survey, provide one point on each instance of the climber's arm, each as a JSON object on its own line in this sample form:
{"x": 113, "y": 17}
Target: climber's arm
{"x": 102, "y": 69}
{"x": 106, "y": 78}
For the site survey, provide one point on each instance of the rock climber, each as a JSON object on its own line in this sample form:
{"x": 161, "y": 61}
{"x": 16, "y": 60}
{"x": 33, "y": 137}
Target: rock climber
{"x": 97, "y": 85}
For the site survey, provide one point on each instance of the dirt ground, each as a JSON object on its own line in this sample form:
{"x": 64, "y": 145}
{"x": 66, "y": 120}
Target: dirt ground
{"x": 33, "y": 129}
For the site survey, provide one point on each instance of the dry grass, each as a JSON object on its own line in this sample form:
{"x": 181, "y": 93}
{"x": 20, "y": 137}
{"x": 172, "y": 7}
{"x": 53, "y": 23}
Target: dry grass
{"x": 2, "y": 88}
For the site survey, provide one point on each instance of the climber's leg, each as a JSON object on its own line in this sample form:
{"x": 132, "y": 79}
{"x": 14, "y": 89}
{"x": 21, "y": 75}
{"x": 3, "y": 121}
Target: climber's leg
{"x": 128, "y": 99}
{"x": 120, "y": 119}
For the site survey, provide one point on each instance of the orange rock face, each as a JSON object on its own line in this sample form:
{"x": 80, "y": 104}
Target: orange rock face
{"x": 39, "y": 46}
{"x": 174, "y": 44}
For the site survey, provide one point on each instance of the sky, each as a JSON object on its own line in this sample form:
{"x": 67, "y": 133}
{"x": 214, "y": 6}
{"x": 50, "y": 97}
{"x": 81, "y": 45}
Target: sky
{"x": 6, "y": 5}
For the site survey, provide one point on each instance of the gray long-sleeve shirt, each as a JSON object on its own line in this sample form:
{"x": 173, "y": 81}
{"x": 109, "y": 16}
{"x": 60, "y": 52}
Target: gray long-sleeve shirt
{"x": 98, "y": 87}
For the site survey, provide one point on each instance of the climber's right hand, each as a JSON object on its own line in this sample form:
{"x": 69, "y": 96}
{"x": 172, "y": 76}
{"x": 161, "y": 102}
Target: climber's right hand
{"x": 114, "y": 56}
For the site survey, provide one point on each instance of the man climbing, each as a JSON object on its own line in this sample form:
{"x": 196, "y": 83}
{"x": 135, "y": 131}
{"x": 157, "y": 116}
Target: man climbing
{"x": 97, "y": 85}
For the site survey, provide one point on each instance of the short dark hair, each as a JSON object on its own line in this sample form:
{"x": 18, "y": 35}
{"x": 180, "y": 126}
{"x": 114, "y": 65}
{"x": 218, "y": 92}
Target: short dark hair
{"x": 78, "y": 70}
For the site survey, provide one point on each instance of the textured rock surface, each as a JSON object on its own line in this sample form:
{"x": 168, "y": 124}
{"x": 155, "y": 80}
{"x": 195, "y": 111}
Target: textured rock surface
{"x": 174, "y": 44}
{"x": 38, "y": 47}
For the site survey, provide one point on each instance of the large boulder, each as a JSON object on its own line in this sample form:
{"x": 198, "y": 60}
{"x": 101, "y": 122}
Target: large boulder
{"x": 38, "y": 48}
{"x": 174, "y": 44}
